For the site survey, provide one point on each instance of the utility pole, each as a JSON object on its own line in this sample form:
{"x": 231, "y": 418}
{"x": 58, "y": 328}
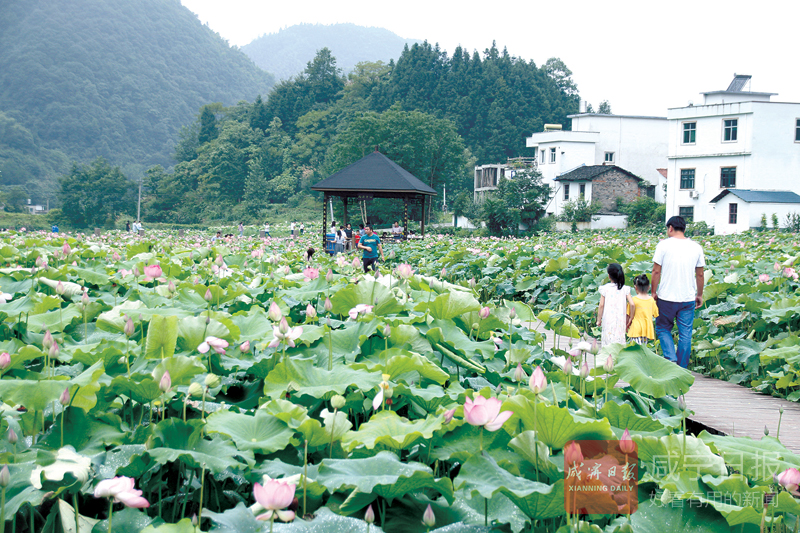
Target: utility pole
{"x": 139, "y": 207}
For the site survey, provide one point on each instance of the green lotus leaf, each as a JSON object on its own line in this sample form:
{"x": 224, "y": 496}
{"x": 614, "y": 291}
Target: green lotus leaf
{"x": 653, "y": 517}
{"x": 661, "y": 455}
{"x": 86, "y": 433}
{"x": 90, "y": 276}
{"x": 262, "y": 433}
{"x": 446, "y": 333}
{"x": 26, "y": 353}
{"x": 622, "y": 416}
{"x": 66, "y": 514}
{"x": 142, "y": 389}
{"x": 559, "y": 323}
{"x": 757, "y": 459}
{"x": 383, "y": 475}
{"x": 306, "y": 292}
{"x": 175, "y": 440}
{"x": 193, "y": 330}
{"x": 162, "y": 337}
{"x": 253, "y": 325}
{"x": 20, "y": 492}
{"x": 408, "y": 367}
{"x": 651, "y": 374}
{"x": 391, "y": 430}
{"x": 183, "y": 526}
{"x": 369, "y": 293}
{"x": 127, "y": 520}
{"x": 407, "y": 334}
{"x": 57, "y": 321}
{"x": 114, "y": 320}
{"x": 481, "y": 475}
{"x": 238, "y": 519}
{"x": 450, "y": 305}
{"x": 555, "y": 425}
{"x": 463, "y": 441}
{"x": 305, "y": 378}
{"x": 181, "y": 369}
{"x": 37, "y": 395}
{"x": 524, "y": 444}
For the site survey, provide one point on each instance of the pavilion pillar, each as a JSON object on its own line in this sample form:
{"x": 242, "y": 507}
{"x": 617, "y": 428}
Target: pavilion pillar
{"x": 422, "y": 218}
{"x": 324, "y": 220}
{"x": 344, "y": 203}
{"x": 405, "y": 217}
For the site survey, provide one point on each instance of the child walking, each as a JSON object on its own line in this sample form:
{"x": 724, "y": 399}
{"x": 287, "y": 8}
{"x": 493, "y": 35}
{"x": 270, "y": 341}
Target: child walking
{"x": 613, "y": 315}
{"x": 641, "y": 330}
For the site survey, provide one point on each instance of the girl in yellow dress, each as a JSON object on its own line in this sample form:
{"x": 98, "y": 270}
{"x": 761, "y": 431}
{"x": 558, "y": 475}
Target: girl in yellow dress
{"x": 641, "y": 330}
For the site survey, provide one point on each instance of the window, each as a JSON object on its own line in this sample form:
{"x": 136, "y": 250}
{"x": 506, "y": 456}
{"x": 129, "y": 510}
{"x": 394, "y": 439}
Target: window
{"x": 727, "y": 177}
{"x": 582, "y": 190}
{"x": 797, "y": 131}
{"x": 552, "y": 155}
{"x": 566, "y": 192}
{"x": 689, "y": 129}
{"x": 733, "y": 210}
{"x": 543, "y": 152}
{"x": 687, "y": 213}
{"x": 687, "y": 178}
{"x": 729, "y": 129}
{"x": 609, "y": 157}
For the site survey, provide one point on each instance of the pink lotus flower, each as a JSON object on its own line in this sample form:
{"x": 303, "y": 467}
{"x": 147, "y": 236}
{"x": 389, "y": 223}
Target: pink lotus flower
{"x": 274, "y": 496}
{"x": 217, "y": 344}
{"x": 64, "y": 399}
{"x": 485, "y": 412}
{"x": 538, "y": 382}
{"x": 328, "y": 305}
{"x": 116, "y": 256}
{"x": 284, "y": 333}
{"x": 329, "y": 276}
{"x": 789, "y": 479}
{"x": 5, "y": 360}
{"x": 66, "y": 249}
{"x": 152, "y": 272}
{"x": 626, "y": 445}
{"x": 356, "y": 262}
{"x": 484, "y": 313}
{"x": 428, "y": 518}
{"x": 360, "y": 309}
{"x": 311, "y": 312}
{"x": 274, "y": 313}
{"x": 166, "y": 382}
{"x": 777, "y": 266}
{"x": 122, "y": 490}
{"x": 405, "y": 271}
{"x": 369, "y": 516}
{"x": 763, "y": 278}
{"x": 310, "y": 273}
{"x": 448, "y": 415}
{"x": 244, "y": 347}
{"x": 572, "y": 454}
{"x": 519, "y": 374}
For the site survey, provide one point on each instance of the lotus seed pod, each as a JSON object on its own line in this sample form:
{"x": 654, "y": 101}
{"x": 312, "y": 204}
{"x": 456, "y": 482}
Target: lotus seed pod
{"x": 212, "y": 381}
{"x": 195, "y": 390}
{"x": 338, "y": 401}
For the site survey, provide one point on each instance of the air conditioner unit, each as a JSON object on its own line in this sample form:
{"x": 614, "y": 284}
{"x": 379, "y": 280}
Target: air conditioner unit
{"x": 694, "y": 195}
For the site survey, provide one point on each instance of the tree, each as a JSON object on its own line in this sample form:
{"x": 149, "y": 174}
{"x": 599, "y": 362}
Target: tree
{"x": 604, "y": 108}
{"x": 559, "y": 73}
{"x": 525, "y": 195}
{"x": 15, "y": 199}
{"x": 91, "y": 195}
{"x": 208, "y": 125}
{"x": 323, "y": 77}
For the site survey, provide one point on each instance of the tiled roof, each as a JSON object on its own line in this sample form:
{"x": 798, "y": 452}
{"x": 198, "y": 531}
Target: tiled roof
{"x": 374, "y": 173}
{"x": 588, "y": 173}
{"x": 760, "y": 197}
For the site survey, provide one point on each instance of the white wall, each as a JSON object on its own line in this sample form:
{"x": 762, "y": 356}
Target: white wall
{"x": 556, "y": 205}
{"x": 749, "y": 214}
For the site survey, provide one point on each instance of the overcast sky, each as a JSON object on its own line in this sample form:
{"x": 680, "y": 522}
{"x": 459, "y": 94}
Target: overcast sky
{"x": 643, "y": 57}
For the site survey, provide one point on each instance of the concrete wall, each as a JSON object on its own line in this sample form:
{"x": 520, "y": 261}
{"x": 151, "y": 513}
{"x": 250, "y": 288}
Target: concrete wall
{"x": 598, "y": 222}
{"x": 749, "y": 214}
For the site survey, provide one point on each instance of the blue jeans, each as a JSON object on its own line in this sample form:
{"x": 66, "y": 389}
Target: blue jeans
{"x": 668, "y": 312}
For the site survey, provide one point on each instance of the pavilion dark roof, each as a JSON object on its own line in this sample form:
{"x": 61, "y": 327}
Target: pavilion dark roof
{"x": 590, "y": 172}
{"x": 374, "y": 173}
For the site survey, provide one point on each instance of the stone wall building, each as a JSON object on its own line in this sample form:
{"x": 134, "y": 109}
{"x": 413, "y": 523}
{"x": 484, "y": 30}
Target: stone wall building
{"x": 598, "y": 183}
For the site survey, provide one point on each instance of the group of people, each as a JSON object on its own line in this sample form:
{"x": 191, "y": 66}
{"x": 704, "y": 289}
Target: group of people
{"x": 674, "y": 293}
{"x": 136, "y": 227}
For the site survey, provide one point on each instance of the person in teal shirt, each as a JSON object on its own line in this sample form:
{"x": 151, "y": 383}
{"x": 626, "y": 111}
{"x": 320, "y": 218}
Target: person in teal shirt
{"x": 371, "y": 244}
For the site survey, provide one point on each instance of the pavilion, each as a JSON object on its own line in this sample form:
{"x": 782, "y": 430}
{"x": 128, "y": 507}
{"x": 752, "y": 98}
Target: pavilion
{"x": 374, "y": 176}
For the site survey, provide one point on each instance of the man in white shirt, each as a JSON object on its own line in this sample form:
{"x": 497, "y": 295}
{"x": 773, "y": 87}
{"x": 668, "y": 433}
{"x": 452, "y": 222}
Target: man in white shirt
{"x": 677, "y": 288}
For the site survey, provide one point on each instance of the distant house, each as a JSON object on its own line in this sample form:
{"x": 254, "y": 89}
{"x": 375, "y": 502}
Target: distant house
{"x": 602, "y": 184}
{"x": 636, "y": 143}
{"x": 738, "y": 142}
{"x": 487, "y": 177}
{"x": 737, "y": 210}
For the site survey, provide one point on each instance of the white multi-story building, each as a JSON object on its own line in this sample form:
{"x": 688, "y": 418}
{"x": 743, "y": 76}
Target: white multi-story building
{"x": 637, "y": 144}
{"x": 737, "y": 141}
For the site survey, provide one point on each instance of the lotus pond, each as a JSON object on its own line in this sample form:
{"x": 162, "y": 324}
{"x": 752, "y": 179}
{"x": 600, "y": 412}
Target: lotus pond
{"x": 167, "y": 384}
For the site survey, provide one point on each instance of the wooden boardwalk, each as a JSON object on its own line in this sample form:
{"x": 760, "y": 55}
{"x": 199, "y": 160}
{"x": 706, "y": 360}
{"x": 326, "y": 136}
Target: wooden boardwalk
{"x": 732, "y": 409}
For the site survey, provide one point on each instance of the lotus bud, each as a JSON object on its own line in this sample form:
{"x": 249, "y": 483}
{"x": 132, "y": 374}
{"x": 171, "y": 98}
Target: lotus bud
{"x": 208, "y": 320}
{"x": 66, "y": 249}
{"x": 245, "y": 347}
{"x": 208, "y": 296}
{"x": 568, "y": 366}
{"x": 194, "y": 519}
{"x": 387, "y": 331}
{"x": 5, "y": 479}
{"x": 595, "y": 349}
{"x": 626, "y": 445}
{"x": 39, "y": 261}
{"x": 212, "y": 381}
{"x": 129, "y": 328}
{"x": 116, "y": 256}
{"x": 475, "y": 325}
{"x": 329, "y": 278}
{"x": 274, "y": 313}
{"x": 328, "y": 305}
{"x": 444, "y": 272}
{"x": 171, "y": 287}
{"x": 369, "y": 516}
{"x": 512, "y": 313}
{"x": 608, "y": 366}
{"x": 195, "y": 390}
{"x": 519, "y": 374}
{"x": 60, "y": 289}
{"x": 484, "y": 313}
{"x": 584, "y": 370}
{"x": 283, "y": 327}
{"x": 64, "y": 399}
{"x": 428, "y": 518}
{"x": 311, "y": 312}
{"x": 5, "y": 360}
{"x": 219, "y": 261}
{"x": 715, "y": 343}
{"x": 166, "y": 382}
{"x": 472, "y": 283}
{"x": 12, "y": 436}
{"x": 135, "y": 271}
{"x": 328, "y": 322}
{"x": 391, "y": 254}
{"x": 681, "y": 403}
{"x": 356, "y": 263}
{"x": 537, "y": 383}
{"x": 85, "y": 299}
{"x": 338, "y": 401}
{"x": 47, "y": 341}
{"x": 54, "y": 350}
{"x": 573, "y": 454}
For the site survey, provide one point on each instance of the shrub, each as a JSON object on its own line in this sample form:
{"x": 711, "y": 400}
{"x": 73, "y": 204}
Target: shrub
{"x": 793, "y": 222}
{"x": 695, "y": 229}
{"x": 643, "y": 211}
{"x": 579, "y": 210}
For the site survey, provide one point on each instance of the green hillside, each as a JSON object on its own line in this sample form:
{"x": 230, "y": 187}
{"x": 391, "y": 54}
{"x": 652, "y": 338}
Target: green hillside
{"x": 110, "y": 78}
{"x": 287, "y": 52}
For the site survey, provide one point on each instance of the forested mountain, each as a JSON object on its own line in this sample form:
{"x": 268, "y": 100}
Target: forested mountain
{"x": 286, "y": 53}
{"x": 433, "y": 114}
{"x": 110, "y": 78}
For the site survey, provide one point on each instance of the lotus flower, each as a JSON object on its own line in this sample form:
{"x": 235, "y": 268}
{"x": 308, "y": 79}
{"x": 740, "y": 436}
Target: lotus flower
{"x": 484, "y": 313}
{"x": 626, "y": 445}
{"x": 584, "y": 370}
{"x": 244, "y": 347}
{"x": 166, "y": 382}
{"x": 5, "y": 297}
{"x": 64, "y": 399}
{"x": 217, "y": 344}
{"x": 310, "y": 273}
{"x": 485, "y": 412}
{"x": 208, "y": 296}
{"x": 583, "y": 346}
{"x": 448, "y": 415}
{"x": 275, "y": 496}
{"x": 572, "y": 454}
{"x": 369, "y": 516}
{"x": 152, "y": 272}
{"x": 128, "y": 329}
{"x": 608, "y": 366}
{"x": 5, "y": 479}
{"x": 67, "y": 250}
{"x": 116, "y": 256}
{"x": 311, "y": 312}
{"x": 12, "y": 436}
{"x": 274, "y": 313}
{"x": 122, "y": 489}
{"x": 405, "y": 271}
{"x": 288, "y": 335}
{"x": 764, "y": 278}
{"x": 538, "y": 382}
{"x": 519, "y": 374}
{"x": 5, "y": 360}
{"x": 356, "y": 262}
{"x": 328, "y": 305}
{"x": 428, "y": 518}
{"x": 789, "y": 479}
{"x": 329, "y": 278}
{"x": 360, "y": 309}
